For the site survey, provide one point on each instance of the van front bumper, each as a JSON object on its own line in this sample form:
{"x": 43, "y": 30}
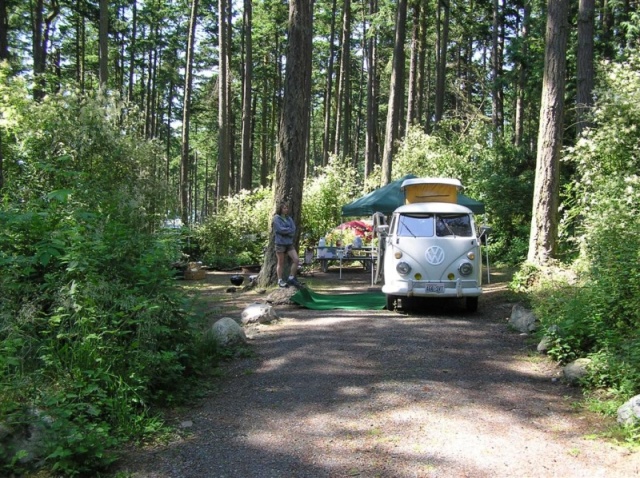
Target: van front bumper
{"x": 409, "y": 288}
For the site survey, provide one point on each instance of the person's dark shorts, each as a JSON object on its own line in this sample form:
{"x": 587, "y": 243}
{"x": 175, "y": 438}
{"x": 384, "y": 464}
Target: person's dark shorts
{"x": 285, "y": 249}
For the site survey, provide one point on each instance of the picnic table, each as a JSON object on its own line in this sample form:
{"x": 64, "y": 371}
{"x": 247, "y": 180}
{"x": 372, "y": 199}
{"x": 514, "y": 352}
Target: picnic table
{"x": 340, "y": 255}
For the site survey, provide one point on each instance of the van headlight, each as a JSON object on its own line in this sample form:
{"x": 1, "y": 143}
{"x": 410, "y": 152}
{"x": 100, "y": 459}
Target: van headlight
{"x": 465, "y": 269}
{"x": 403, "y": 268}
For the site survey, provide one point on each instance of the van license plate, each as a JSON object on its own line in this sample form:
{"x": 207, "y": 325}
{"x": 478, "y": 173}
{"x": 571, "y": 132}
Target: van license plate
{"x": 434, "y": 288}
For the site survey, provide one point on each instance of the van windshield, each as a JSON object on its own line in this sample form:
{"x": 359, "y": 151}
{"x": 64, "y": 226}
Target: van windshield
{"x": 454, "y": 225}
{"x": 423, "y": 225}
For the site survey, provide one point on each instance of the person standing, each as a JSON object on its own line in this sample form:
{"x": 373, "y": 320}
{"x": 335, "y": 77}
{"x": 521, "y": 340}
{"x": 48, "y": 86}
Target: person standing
{"x": 284, "y": 229}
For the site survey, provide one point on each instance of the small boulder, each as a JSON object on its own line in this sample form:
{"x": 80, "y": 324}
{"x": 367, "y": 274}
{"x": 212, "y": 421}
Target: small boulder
{"x": 281, "y": 296}
{"x": 629, "y": 413}
{"x": 28, "y": 437}
{"x": 547, "y": 341}
{"x": 576, "y": 370}
{"x": 227, "y": 332}
{"x": 522, "y": 319}
{"x": 258, "y": 312}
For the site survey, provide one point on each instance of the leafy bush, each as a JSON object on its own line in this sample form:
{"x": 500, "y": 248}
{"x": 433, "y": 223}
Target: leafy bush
{"x": 92, "y": 331}
{"x": 600, "y": 317}
{"x": 324, "y": 195}
{"x": 237, "y": 234}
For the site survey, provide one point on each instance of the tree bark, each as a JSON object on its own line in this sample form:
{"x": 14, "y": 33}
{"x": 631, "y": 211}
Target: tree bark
{"x": 421, "y": 83}
{"x": 224, "y": 160}
{"x": 4, "y": 30}
{"x": 326, "y": 134}
{"x": 371, "y": 137}
{"x": 246, "y": 175}
{"x": 343, "y": 103}
{"x": 4, "y": 55}
{"x": 40, "y": 28}
{"x": 170, "y": 93}
{"x": 522, "y": 75}
{"x": 544, "y": 224}
{"x": 103, "y": 43}
{"x": 186, "y": 116}
{"x": 584, "y": 68}
{"x": 396, "y": 92}
{"x": 496, "y": 69}
{"x": 413, "y": 94}
{"x": 264, "y": 149}
{"x": 294, "y": 126}
{"x": 441, "y": 61}
{"x": 132, "y": 49}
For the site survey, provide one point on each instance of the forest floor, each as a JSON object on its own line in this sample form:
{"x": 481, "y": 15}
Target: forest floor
{"x": 436, "y": 392}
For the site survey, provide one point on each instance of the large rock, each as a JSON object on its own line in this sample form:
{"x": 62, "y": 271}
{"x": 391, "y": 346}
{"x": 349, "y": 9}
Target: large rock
{"x": 281, "y": 296}
{"x": 629, "y": 413}
{"x": 522, "y": 319}
{"x": 28, "y": 437}
{"x": 258, "y": 313}
{"x": 227, "y": 332}
{"x": 576, "y": 370}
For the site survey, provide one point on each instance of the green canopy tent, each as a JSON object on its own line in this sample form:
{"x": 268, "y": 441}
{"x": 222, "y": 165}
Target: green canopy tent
{"x": 387, "y": 198}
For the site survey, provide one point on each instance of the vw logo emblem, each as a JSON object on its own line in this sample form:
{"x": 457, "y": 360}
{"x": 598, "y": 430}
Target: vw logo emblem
{"x": 434, "y": 255}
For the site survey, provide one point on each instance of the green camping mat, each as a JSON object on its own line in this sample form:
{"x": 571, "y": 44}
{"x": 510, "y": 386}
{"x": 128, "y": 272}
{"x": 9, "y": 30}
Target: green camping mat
{"x": 359, "y": 301}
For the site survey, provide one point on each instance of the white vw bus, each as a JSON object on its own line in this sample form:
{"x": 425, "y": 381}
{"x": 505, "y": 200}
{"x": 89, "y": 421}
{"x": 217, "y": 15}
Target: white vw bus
{"x": 431, "y": 248}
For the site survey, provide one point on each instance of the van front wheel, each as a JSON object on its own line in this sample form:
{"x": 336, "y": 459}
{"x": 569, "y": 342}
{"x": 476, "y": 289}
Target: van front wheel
{"x": 391, "y": 302}
{"x": 472, "y": 304}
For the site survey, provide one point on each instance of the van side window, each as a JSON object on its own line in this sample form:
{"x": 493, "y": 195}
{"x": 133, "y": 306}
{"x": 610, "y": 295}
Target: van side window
{"x": 415, "y": 225}
{"x": 453, "y": 225}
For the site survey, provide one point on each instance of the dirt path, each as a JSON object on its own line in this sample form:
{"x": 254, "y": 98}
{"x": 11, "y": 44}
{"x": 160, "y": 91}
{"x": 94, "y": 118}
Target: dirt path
{"x": 437, "y": 393}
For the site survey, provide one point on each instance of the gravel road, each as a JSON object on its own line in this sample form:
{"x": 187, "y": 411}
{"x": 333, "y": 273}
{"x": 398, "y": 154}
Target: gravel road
{"x": 434, "y": 393}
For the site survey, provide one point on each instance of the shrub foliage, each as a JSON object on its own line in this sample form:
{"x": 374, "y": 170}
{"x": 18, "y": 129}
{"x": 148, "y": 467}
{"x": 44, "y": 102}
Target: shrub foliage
{"x": 600, "y": 318}
{"x": 91, "y": 330}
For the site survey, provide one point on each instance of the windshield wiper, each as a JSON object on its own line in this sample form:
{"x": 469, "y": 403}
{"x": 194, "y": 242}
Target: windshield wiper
{"x": 447, "y": 226}
{"x": 404, "y": 225}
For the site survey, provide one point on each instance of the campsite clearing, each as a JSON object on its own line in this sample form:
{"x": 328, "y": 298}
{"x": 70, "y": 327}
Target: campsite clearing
{"x": 371, "y": 393}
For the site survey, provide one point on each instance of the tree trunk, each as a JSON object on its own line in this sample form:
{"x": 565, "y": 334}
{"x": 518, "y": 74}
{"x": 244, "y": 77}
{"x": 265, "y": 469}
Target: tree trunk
{"x": 605, "y": 41}
{"x": 186, "y": 116}
{"x": 343, "y": 98}
{"x": 441, "y": 60}
{"x": 168, "y": 128}
{"x": 294, "y": 125}
{"x": 4, "y": 55}
{"x": 103, "y": 43}
{"x": 234, "y": 179}
{"x": 132, "y": 49}
{"x": 396, "y": 92}
{"x": 544, "y": 224}
{"x": 496, "y": 69}
{"x": 4, "y": 31}
{"x": 79, "y": 45}
{"x": 413, "y": 95}
{"x": 420, "y": 68}
{"x": 371, "y": 137}
{"x": 224, "y": 162}
{"x": 246, "y": 172}
{"x": 584, "y": 68}
{"x": 41, "y": 26}
{"x": 326, "y": 135}
{"x": 264, "y": 149}
{"x": 522, "y": 76}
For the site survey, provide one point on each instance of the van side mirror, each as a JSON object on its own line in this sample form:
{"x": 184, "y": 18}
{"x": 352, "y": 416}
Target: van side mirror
{"x": 382, "y": 229}
{"x": 483, "y": 237}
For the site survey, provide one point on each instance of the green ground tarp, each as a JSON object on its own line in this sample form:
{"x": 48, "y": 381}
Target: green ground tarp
{"x": 359, "y": 301}
{"x": 387, "y": 198}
